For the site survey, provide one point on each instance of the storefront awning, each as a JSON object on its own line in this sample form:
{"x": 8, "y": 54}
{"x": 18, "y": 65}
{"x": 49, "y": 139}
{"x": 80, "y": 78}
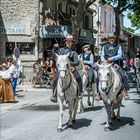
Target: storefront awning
{"x": 55, "y": 31}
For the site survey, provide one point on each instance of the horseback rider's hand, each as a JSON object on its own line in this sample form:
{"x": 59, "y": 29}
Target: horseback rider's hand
{"x": 72, "y": 69}
{"x": 110, "y": 59}
{"x": 86, "y": 67}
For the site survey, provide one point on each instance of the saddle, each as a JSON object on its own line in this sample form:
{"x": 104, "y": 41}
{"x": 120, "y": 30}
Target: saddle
{"x": 116, "y": 68}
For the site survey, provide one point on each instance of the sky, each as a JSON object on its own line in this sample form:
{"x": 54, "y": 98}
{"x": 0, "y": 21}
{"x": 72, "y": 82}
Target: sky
{"x": 127, "y": 22}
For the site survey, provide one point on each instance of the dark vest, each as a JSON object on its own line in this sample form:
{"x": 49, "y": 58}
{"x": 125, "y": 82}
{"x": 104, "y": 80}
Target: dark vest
{"x": 111, "y": 50}
{"x": 66, "y": 50}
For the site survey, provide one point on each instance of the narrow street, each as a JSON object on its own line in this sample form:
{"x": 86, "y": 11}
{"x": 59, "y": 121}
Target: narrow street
{"x": 37, "y": 119}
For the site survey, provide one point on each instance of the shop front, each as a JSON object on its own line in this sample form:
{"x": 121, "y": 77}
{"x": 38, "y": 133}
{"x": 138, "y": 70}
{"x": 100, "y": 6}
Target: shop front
{"x": 53, "y": 34}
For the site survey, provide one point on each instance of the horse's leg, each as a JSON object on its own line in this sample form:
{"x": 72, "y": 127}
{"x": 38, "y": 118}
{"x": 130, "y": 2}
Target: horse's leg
{"x": 75, "y": 107}
{"x": 80, "y": 106}
{"x": 88, "y": 101}
{"x": 109, "y": 114}
{"x": 80, "y": 101}
{"x": 93, "y": 94}
{"x": 61, "y": 109}
{"x": 70, "y": 113}
{"x": 118, "y": 114}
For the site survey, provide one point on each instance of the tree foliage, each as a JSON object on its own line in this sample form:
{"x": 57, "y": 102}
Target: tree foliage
{"x": 134, "y": 15}
{"x": 128, "y": 29}
{"x": 76, "y": 19}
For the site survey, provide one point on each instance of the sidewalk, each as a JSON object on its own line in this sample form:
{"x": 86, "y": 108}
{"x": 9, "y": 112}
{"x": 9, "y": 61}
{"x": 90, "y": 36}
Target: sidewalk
{"x": 27, "y": 96}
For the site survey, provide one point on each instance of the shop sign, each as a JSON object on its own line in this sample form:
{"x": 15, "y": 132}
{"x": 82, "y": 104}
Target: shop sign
{"x": 57, "y": 31}
{"x": 22, "y": 27}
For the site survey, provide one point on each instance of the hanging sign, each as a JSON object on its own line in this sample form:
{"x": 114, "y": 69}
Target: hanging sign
{"x": 16, "y": 52}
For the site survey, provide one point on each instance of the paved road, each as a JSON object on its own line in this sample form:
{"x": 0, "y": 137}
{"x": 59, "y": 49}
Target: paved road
{"x": 36, "y": 118}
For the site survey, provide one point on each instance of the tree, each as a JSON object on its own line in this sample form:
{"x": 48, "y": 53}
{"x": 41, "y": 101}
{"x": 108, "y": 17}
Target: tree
{"x": 134, "y": 15}
{"x": 76, "y": 19}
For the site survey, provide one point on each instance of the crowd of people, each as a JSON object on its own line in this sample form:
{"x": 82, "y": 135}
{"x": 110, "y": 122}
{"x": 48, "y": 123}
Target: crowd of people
{"x": 9, "y": 73}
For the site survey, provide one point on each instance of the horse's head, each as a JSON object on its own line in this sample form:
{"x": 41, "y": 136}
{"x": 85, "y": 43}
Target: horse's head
{"x": 62, "y": 64}
{"x": 104, "y": 73}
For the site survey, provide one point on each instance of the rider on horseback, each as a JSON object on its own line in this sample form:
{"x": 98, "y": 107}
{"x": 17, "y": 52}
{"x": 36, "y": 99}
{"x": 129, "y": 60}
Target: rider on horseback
{"x": 112, "y": 52}
{"x": 73, "y": 56}
{"x": 88, "y": 60}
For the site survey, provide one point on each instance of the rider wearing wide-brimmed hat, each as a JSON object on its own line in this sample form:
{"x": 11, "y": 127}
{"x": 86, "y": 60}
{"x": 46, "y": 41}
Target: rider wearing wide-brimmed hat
{"x": 112, "y": 52}
{"x": 74, "y": 61}
{"x": 88, "y": 60}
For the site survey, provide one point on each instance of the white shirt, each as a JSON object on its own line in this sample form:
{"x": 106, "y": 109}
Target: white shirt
{"x": 14, "y": 71}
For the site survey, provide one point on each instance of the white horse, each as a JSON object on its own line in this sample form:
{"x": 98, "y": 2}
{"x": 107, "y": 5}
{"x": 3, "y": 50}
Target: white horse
{"x": 87, "y": 90}
{"x": 67, "y": 89}
{"x": 111, "y": 91}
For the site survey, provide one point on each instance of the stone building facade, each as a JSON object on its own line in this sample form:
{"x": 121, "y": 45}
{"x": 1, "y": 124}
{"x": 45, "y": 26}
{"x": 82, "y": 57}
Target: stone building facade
{"x": 19, "y": 28}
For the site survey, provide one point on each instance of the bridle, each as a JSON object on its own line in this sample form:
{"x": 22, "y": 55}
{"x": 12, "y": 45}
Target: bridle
{"x": 68, "y": 75}
{"x": 107, "y": 81}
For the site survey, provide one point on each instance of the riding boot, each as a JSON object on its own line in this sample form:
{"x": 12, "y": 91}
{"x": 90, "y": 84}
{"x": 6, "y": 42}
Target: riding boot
{"x": 80, "y": 86}
{"x": 80, "y": 93}
{"x": 124, "y": 79}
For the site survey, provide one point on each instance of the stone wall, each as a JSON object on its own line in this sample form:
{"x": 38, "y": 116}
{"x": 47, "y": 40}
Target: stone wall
{"x": 15, "y": 11}
{"x": 19, "y": 13}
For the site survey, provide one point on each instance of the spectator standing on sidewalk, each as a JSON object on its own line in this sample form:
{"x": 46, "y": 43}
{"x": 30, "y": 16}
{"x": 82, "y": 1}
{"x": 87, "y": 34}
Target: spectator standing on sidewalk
{"x": 14, "y": 74}
{"x": 131, "y": 62}
{"x": 137, "y": 62}
{"x": 6, "y": 89}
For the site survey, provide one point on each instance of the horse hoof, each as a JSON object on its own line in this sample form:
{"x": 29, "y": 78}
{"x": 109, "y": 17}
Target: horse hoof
{"x": 59, "y": 130}
{"x": 80, "y": 111}
{"x": 107, "y": 129}
{"x": 70, "y": 125}
{"x": 73, "y": 121}
{"x": 118, "y": 119}
{"x": 89, "y": 103}
{"x": 113, "y": 118}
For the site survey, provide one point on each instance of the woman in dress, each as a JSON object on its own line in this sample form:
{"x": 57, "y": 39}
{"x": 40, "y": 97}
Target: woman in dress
{"x": 6, "y": 89}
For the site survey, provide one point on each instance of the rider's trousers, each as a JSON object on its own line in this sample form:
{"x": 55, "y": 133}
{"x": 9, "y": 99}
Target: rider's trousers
{"x": 79, "y": 80}
{"x": 124, "y": 78}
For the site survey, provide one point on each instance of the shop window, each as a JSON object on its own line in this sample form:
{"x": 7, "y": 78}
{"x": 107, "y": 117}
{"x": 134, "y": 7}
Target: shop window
{"x": 25, "y": 48}
{"x": 9, "y": 48}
